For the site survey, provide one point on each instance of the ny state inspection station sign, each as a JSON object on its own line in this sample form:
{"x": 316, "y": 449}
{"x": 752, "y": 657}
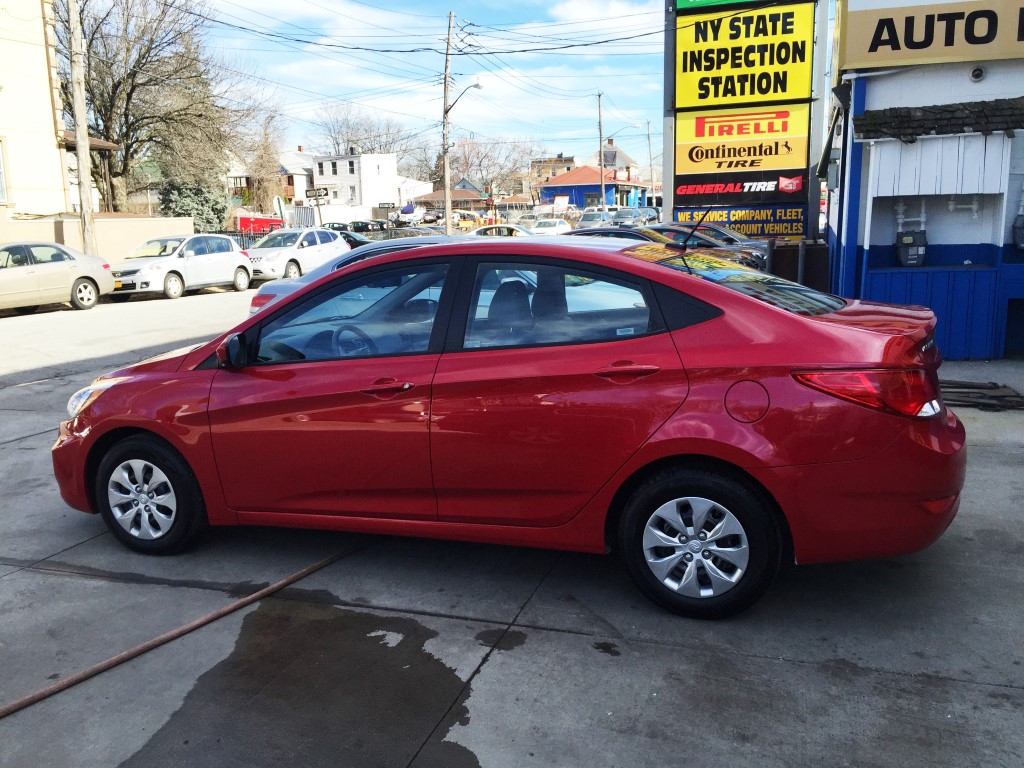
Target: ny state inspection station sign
{"x": 751, "y": 55}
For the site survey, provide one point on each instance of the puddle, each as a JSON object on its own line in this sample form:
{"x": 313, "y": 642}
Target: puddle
{"x": 311, "y": 684}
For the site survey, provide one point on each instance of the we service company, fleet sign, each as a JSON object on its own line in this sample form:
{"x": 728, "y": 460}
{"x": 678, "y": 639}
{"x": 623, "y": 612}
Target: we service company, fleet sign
{"x": 886, "y": 33}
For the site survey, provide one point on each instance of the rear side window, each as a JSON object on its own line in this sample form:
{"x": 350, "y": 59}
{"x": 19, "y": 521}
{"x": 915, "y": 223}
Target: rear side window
{"x": 521, "y": 304}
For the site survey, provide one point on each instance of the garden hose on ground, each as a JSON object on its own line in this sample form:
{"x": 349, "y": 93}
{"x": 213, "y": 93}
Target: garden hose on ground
{"x": 156, "y": 642}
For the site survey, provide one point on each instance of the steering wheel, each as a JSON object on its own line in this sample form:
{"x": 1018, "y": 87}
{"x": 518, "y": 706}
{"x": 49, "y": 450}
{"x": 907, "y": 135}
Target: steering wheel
{"x": 352, "y": 341}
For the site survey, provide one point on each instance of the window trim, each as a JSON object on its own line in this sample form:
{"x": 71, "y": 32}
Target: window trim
{"x": 5, "y": 196}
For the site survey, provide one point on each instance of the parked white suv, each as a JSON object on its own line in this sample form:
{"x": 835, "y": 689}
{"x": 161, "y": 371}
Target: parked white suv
{"x": 291, "y": 253}
{"x": 173, "y": 265}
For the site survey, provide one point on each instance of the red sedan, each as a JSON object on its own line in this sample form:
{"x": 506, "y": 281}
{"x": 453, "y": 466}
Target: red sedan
{"x": 708, "y": 420}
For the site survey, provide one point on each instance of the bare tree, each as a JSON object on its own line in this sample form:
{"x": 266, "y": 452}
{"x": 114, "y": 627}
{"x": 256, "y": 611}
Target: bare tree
{"x": 343, "y": 127}
{"x": 152, "y": 89}
{"x": 263, "y": 163}
{"x": 496, "y": 164}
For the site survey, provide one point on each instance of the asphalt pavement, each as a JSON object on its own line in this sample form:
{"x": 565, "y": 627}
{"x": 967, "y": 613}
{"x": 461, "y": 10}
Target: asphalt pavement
{"x": 405, "y": 652}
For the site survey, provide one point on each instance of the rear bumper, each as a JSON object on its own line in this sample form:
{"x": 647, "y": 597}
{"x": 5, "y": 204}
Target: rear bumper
{"x": 897, "y": 501}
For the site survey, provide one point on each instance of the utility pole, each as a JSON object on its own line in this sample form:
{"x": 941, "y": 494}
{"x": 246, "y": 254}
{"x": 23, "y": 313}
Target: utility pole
{"x": 650, "y": 162}
{"x": 600, "y": 152}
{"x": 81, "y": 130}
{"x": 444, "y": 129}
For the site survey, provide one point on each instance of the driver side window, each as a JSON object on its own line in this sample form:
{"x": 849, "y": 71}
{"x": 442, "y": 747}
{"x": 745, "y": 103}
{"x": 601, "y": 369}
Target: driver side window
{"x": 380, "y": 314}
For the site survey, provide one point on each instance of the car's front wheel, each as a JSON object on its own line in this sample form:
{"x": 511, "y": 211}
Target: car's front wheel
{"x": 700, "y": 543}
{"x": 149, "y": 497}
{"x": 241, "y": 281}
{"x": 292, "y": 271}
{"x": 173, "y": 286}
{"x": 84, "y": 294}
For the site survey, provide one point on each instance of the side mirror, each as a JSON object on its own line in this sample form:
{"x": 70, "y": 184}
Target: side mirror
{"x": 302, "y": 244}
{"x": 231, "y": 352}
{"x": 186, "y": 254}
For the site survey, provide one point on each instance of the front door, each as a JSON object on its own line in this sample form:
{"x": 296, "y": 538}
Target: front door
{"x": 332, "y": 416}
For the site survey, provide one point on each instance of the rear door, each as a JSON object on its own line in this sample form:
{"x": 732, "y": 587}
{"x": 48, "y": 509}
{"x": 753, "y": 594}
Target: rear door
{"x": 560, "y": 374}
{"x": 19, "y": 284}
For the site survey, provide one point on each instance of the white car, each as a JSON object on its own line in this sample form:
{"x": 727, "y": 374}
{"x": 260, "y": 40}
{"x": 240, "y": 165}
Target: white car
{"x": 38, "y": 273}
{"x": 292, "y": 253}
{"x": 173, "y": 265}
{"x": 500, "y": 230}
{"x": 551, "y": 227}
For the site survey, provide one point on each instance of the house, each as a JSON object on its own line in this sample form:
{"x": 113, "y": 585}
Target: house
{"x": 296, "y": 174}
{"x": 582, "y": 187}
{"x": 33, "y": 175}
{"x": 614, "y": 157}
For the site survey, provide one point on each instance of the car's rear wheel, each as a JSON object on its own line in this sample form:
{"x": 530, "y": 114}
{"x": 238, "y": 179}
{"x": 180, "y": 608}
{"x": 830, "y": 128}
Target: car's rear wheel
{"x": 173, "y": 286}
{"x": 292, "y": 271}
{"x": 241, "y": 281}
{"x": 700, "y": 543}
{"x": 84, "y": 294}
{"x": 149, "y": 497}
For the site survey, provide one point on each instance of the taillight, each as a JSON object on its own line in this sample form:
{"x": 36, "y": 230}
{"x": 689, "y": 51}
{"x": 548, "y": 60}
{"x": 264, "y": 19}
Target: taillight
{"x": 906, "y": 392}
{"x": 260, "y": 300}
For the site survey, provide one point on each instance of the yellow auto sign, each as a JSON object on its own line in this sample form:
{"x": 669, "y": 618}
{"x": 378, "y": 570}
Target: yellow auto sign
{"x": 749, "y": 138}
{"x": 754, "y": 56}
{"x": 873, "y": 33}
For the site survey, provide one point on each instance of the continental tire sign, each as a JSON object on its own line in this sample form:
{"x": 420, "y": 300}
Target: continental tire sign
{"x": 757, "y": 55}
{"x": 884, "y": 33}
{"x": 767, "y": 138}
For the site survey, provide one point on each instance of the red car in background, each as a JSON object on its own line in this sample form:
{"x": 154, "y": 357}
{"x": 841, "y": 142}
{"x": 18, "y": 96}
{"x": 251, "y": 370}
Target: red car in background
{"x": 708, "y": 420}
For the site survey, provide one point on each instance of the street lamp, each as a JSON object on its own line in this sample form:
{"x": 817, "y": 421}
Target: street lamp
{"x": 444, "y": 153}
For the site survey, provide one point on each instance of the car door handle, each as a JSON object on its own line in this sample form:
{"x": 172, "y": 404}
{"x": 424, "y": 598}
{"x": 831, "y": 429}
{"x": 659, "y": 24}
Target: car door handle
{"x": 626, "y": 370}
{"x": 385, "y": 388}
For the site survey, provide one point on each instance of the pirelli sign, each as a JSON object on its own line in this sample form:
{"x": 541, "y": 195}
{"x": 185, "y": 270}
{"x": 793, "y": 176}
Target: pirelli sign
{"x": 883, "y": 33}
{"x": 746, "y": 139}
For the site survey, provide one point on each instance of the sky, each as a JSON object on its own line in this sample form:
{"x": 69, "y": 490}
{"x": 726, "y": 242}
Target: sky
{"x": 541, "y": 64}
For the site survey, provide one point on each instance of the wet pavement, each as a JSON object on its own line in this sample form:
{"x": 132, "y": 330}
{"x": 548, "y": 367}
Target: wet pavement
{"x": 407, "y": 652}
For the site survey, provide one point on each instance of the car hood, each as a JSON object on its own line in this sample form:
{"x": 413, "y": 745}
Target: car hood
{"x": 269, "y": 253}
{"x": 164, "y": 362}
{"x": 148, "y": 261}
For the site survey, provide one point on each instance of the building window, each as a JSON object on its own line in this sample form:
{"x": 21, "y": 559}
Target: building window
{"x": 320, "y": 168}
{"x": 351, "y": 194}
{"x": 334, "y": 194}
{"x": 291, "y": 181}
{"x": 334, "y": 167}
{"x": 351, "y": 166}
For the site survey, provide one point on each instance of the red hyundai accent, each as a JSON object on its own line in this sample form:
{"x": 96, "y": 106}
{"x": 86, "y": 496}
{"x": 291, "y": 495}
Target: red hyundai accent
{"x": 708, "y": 420}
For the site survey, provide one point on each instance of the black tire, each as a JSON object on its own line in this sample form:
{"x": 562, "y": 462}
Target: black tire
{"x": 84, "y": 294}
{"x": 241, "y": 281}
{"x": 174, "y": 286}
{"x": 292, "y": 271}
{"x": 162, "y": 511}
{"x": 733, "y": 556}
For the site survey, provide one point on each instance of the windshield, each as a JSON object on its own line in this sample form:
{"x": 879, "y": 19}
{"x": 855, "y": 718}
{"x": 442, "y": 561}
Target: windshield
{"x": 278, "y": 240}
{"x": 591, "y": 217}
{"x": 162, "y": 246}
{"x": 792, "y": 297}
{"x": 625, "y": 215}
{"x": 546, "y": 223}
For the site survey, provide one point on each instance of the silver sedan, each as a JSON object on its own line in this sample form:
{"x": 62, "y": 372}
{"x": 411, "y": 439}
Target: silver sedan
{"x": 36, "y": 273}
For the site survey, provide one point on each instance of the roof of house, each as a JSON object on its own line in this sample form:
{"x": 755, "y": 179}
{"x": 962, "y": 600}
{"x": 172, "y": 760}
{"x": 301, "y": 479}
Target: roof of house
{"x": 296, "y": 162}
{"x": 586, "y": 176}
